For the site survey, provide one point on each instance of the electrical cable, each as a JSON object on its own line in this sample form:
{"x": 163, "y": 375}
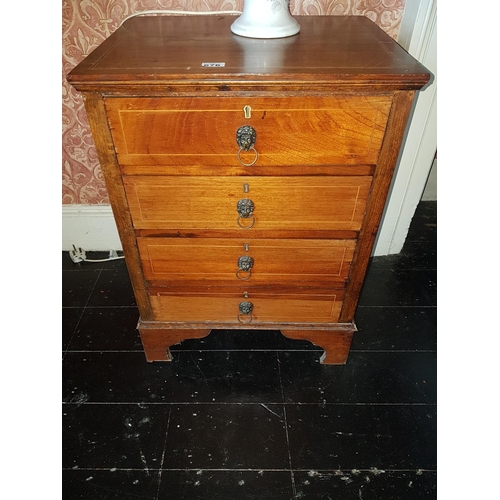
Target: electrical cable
{"x": 183, "y": 12}
{"x": 78, "y": 255}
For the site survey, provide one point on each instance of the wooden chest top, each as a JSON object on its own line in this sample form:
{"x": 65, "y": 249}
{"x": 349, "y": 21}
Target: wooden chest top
{"x": 172, "y": 54}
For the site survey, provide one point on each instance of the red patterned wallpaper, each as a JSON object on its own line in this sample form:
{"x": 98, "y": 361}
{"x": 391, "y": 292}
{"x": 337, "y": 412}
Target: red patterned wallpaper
{"x": 86, "y": 23}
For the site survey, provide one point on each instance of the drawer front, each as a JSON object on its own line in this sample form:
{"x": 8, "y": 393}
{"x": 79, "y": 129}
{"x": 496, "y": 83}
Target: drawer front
{"x": 233, "y": 308}
{"x": 253, "y": 260}
{"x": 301, "y": 203}
{"x": 290, "y": 131}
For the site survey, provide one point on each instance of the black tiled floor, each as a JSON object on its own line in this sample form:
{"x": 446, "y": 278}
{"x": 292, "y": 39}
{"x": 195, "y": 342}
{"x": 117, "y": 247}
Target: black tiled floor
{"x": 253, "y": 415}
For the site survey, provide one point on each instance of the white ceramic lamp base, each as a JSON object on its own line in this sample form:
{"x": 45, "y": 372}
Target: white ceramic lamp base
{"x": 265, "y": 19}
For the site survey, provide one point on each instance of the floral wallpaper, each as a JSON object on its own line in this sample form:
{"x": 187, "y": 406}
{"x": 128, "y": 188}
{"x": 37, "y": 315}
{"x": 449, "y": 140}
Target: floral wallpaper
{"x": 86, "y": 23}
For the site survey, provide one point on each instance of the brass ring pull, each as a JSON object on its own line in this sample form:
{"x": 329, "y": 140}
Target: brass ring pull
{"x": 244, "y": 322}
{"x": 246, "y": 309}
{"x": 252, "y": 162}
{"x": 245, "y": 264}
{"x": 252, "y": 222}
{"x": 241, "y": 277}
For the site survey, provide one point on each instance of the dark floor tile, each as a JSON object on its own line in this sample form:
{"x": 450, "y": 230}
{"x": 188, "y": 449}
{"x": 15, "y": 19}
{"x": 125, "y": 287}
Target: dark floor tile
{"x": 69, "y": 320}
{"x": 385, "y": 287}
{"x": 115, "y": 377}
{"x": 231, "y": 376}
{"x": 227, "y": 436}
{"x": 362, "y": 436}
{"x": 367, "y": 377}
{"x": 130, "y": 436}
{"x": 241, "y": 484}
{"x": 371, "y": 484}
{"x": 414, "y": 255}
{"x": 113, "y": 288}
{"x": 233, "y": 340}
{"x": 424, "y": 223}
{"x": 396, "y": 328}
{"x": 192, "y": 377}
{"x": 77, "y": 287}
{"x": 286, "y": 344}
{"x": 106, "y": 329}
{"x": 109, "y": 484}
{"x": 420, "y": 254}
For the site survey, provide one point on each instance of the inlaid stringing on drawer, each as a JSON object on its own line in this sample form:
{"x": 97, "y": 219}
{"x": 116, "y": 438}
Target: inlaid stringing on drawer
{"x": 246, "y": 260}
{"x": 290, "y": 131}
{"x": 295, "y": 203}
{"x": 265, "y": 308}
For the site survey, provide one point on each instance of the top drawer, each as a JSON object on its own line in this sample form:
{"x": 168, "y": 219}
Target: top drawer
{"x": 290, "y": 131}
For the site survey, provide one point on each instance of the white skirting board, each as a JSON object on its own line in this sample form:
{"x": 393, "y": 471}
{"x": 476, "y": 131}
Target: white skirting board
{"x": 90, "y": 227}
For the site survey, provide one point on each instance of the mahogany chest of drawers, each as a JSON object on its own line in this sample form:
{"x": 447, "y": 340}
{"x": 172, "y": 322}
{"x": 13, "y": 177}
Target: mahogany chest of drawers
{"x": 248, "y": 177}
